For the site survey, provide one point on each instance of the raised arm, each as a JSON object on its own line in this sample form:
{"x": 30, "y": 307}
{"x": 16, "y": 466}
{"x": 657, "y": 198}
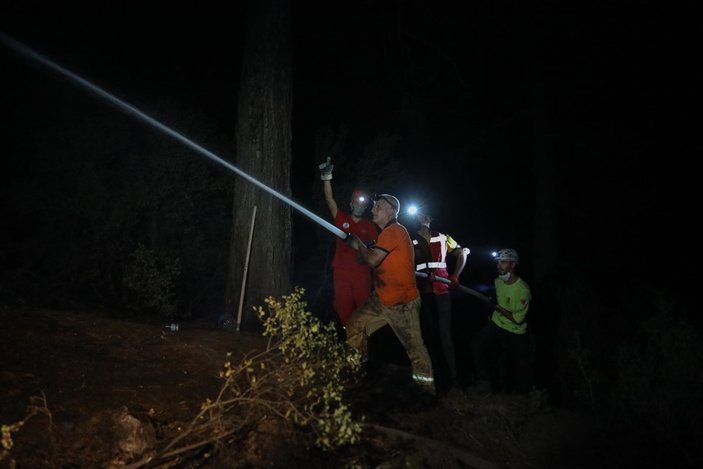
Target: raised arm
{"x": 329, "y": 197}
{"x": 326, "y": 176}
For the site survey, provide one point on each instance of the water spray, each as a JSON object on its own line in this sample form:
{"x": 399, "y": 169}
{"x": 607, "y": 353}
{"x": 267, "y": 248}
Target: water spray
{"x": 131, "y": 110}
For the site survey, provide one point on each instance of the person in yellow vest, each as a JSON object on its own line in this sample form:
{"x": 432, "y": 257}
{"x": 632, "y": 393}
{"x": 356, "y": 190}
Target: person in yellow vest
{"x": 507, "y": 329}
{"x": 395, "y": 300}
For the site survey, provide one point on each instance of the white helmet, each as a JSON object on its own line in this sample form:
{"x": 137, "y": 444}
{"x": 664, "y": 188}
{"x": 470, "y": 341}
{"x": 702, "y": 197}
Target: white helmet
{"x": 390, "y": 200}
{"x": 506, "y": 255}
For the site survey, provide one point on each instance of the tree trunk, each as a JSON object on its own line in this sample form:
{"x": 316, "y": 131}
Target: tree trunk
{"x": 263, "y": 136}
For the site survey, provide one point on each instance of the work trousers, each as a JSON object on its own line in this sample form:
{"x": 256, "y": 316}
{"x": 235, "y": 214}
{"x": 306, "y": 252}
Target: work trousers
{"x": 352, "y": 288}
{"x": 489, "y": 345}
{"x": 436, "y": 319}
{"x": 404, "y": 319}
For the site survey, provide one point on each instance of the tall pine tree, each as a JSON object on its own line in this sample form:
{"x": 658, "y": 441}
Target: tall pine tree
{"x": 263, "y": 137}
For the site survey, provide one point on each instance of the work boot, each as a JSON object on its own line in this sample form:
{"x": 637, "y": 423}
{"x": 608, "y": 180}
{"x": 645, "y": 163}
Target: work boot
{"x": 424, "y": 395}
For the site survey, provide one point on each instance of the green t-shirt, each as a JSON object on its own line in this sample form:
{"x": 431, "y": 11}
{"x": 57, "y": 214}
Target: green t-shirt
{"x": 516, "y": 299}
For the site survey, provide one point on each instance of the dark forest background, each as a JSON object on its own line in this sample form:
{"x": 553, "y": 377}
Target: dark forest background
{"x": 558, "y": 130}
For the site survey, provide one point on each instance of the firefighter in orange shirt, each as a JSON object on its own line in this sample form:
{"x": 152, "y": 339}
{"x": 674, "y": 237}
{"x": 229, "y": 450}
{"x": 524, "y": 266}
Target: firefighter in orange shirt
{"x": 395, "y": 300}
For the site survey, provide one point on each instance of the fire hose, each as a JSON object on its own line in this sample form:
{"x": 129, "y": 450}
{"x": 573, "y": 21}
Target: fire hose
{"x": 471, "y": 292}
{"x": 463, "y": 288}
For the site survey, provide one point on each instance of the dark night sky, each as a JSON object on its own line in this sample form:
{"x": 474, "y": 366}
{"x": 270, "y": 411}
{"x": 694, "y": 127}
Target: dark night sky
{"x": 613, "y": 77}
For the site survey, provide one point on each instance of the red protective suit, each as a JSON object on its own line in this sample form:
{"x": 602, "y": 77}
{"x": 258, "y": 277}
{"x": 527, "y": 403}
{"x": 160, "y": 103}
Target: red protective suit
{"x": 352, "y": 280}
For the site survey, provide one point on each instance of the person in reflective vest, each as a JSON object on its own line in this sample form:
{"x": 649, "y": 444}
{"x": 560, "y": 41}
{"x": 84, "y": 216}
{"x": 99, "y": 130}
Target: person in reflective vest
{"x": 431, "y": 250}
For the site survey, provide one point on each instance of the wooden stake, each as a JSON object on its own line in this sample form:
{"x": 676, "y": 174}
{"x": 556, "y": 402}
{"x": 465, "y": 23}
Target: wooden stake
{"x": 246, "y": 270}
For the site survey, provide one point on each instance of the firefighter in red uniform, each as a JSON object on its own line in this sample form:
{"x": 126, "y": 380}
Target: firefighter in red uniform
{"x": 431, "y": 249}
{"x": 352, "y": 280}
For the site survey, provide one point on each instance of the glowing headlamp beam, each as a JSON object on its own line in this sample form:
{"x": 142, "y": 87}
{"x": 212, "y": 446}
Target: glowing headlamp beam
{"x": 129, "y": 109}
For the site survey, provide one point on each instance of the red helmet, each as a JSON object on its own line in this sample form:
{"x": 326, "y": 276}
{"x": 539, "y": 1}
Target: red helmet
{"x": 359, "y": 202}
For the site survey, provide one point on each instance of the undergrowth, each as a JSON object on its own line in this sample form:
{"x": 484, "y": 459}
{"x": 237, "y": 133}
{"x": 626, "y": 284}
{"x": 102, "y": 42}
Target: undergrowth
{"x": 298, "y": 380}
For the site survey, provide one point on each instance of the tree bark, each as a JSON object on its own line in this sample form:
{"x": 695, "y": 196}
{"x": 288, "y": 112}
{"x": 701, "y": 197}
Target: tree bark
{"x": 264, "y": 138}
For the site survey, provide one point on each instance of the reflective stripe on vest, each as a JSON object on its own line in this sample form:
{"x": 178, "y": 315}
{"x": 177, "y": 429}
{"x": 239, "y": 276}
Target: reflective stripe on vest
{"x": 431, "y": 265}
{"x": 439, "y": 241}
{"x": 442, "y": 240}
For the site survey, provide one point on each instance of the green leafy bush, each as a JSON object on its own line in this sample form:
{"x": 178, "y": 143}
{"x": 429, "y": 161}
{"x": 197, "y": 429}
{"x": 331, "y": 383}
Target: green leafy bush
{"x": 297, "y": 380}
{"x": 313, "y": 370}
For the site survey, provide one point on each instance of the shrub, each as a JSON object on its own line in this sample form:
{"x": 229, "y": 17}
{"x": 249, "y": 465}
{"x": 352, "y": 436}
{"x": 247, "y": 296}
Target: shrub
{"x": 297, "y": 380}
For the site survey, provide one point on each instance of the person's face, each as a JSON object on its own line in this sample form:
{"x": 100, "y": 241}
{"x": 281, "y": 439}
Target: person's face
{"x": 382, "y": 212}
{"x": 358, "y": 206}
{"x": 423, "y": 220}
{"x": 503, "y": 267}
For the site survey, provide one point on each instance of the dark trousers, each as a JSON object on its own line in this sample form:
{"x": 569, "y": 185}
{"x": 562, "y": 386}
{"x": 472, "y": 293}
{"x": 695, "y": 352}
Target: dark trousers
{"x": 436, "y": 321}
{"x": 491, "y": 346}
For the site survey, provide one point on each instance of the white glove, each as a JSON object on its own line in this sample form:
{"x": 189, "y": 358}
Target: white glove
{"x": 326, "y": 169}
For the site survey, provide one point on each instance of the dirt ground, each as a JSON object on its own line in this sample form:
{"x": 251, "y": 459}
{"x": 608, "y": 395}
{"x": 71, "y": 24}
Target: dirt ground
{"x": 106, "y": 391}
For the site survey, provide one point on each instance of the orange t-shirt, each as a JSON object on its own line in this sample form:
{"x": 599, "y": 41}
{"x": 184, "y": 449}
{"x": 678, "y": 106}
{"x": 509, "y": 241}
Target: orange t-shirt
{"x": 394, "y": 277}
